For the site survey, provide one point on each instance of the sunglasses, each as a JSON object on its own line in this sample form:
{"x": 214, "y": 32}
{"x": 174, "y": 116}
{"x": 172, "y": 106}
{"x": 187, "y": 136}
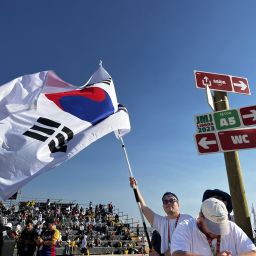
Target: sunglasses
{"x": 166, "y": 201}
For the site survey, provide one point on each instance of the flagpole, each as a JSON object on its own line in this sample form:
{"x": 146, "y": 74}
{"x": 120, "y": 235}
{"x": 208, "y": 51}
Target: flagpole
{"x": 136, "y": 194}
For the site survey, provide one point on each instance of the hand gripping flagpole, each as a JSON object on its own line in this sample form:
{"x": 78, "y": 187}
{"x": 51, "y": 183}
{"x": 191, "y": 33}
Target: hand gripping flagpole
{"x": 136, "y": 194}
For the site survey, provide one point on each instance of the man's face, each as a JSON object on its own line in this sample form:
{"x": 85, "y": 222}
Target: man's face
{"x": 53, "y": 226}
{"x": 29, "y": 226}
{"x": 204, "y": 227}
{"x": 170, "y": 204}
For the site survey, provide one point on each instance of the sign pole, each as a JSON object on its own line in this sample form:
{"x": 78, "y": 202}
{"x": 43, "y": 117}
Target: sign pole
{"x": 235, "y": 179}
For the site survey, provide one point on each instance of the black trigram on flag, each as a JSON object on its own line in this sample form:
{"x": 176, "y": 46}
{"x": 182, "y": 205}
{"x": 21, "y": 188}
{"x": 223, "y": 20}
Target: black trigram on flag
{"x": 45, "y": 127}
{"x": 107, "y": 81}
{"x": 121, "y": 107}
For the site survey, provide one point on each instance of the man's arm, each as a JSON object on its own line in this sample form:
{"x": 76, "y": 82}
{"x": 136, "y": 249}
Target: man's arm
{"x": 149, "y": 214}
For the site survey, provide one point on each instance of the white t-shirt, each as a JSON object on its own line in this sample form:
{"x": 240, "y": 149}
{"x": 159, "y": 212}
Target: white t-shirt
{"x": 161, "y": 224}
{"x": 189, "y": 238}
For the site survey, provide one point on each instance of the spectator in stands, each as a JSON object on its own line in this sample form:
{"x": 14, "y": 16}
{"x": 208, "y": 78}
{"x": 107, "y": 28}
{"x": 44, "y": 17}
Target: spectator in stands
{"x": 110, "y": 208}
{"x": 81, "y": 228}
{"x": 6, "y": 233}
{"x": 40, "y": 216}
{"x": 73, "y": 245}
{"x": 116, "y": 218}
{"x": 23, "y": 217}
{"x": 84, "y": 245}
{"x": 68, "y": 247}
{"x": 39, "y": 228}
{"x": 164, "y": 225}
{"x": 49, "y": 238}
{"x": 27, "y": 241}
{"x": 48, "y": 204}
{"x": 138, "y": 230}
{"x": 18, "y": 230}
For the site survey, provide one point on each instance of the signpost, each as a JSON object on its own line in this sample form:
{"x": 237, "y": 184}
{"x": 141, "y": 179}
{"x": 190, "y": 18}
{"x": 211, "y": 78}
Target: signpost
{"x": 221, "y": 82}
{"x": 240, "y": 85}
{"x": 225, "y": 141}
{"x": 237, "y": 139}
{"x": 248, "y": 115}
{"x": 227, "y": 119}
{"x": 209, "y": 140}
{"x": 207, "y": 143}
{"x": 235, "y": 179}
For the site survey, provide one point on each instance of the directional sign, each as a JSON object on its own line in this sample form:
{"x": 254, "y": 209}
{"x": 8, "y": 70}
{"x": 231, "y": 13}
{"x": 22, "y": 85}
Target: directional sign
{"x": 206, "y": 143}
{"x": 226, "y": 119}
{"x": 248, "y": 115}
{"x": 240, "y": 85}
{"x": 216, "y": 82}
{"x": 237, "y": 139}
{"x": 221, "y": 82}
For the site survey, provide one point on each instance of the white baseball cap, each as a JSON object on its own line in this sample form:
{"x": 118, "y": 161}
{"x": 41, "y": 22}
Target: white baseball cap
{"x": 216, "y": 216}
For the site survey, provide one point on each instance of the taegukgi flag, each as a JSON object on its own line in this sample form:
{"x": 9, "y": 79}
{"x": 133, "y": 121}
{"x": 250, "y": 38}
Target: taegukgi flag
{"x": 45, "y": 121}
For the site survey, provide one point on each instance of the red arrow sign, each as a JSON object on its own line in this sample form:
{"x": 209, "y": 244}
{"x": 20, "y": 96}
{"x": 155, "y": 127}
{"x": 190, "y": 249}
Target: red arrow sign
{"x": 240, "y": 85}
{"x": 248, "y": 115}
{"x": 217, "y": 82}
{"x": 221, "y": 82}
{"x": 206, "y": 143}
{"x": 237, "y": 139}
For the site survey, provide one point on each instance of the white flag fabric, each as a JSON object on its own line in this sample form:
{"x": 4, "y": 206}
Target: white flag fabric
{"x": 45, "y": 121}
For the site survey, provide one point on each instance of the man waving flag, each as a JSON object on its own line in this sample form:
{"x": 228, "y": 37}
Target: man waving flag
{"x": 45, "y": 121}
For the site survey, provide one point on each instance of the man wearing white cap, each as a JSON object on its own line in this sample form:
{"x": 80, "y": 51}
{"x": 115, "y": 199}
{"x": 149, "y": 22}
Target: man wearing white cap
{"x": 211, "y": 234}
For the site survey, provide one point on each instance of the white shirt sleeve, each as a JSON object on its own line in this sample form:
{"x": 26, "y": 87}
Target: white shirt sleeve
{"x": 157, "y": 221}
{"x": 242, "y": 241}
{"x": 160, "y": 224}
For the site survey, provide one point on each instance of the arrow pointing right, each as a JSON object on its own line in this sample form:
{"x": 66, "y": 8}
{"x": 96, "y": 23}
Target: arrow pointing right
{"x": 205, "y": 144}
{"x": 252, "y": 115}
{"x": 241, "y": 84}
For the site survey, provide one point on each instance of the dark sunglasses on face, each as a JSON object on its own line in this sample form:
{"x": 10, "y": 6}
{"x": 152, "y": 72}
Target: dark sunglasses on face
{"x": 166, "y": 201}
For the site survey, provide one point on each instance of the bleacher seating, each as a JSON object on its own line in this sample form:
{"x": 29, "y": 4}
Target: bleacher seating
{"x": 109, "y": 231}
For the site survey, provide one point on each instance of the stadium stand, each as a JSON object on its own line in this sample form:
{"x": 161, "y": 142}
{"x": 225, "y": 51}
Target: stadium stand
{"x": 108, "y": 230}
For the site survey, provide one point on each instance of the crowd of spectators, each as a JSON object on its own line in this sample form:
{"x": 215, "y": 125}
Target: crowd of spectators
{"x": 98, "y": 224}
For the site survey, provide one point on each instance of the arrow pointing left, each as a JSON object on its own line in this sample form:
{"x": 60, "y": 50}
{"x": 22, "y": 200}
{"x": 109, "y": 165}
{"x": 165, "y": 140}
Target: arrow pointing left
{"x": 207, "y": 142}
{"x": 204, "y": 143}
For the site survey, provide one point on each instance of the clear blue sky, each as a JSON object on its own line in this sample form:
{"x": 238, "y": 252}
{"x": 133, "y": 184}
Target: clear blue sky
{"x": 151, "y": 49}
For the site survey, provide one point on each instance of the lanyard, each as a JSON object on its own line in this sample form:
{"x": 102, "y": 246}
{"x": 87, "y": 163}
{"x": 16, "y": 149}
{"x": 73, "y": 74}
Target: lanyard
{"x": 169, "y": 232}
{"x": 212, "y": 247}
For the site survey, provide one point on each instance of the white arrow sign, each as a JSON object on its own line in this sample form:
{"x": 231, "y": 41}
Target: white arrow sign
{"x": 204, "y": 143}
{"x": 241, "y": 84}
{"x": 252, "y": 115}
